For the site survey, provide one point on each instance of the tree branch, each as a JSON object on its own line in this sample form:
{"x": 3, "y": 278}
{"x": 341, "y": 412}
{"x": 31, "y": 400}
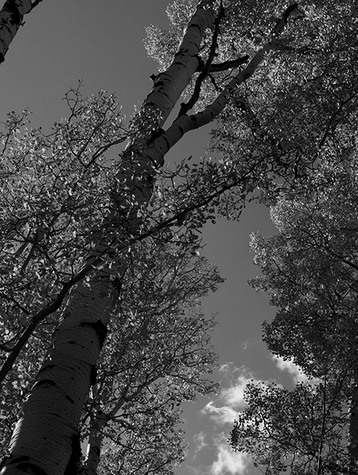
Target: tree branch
{"x": 96, "y": 261}
{"x": 206, "y": 68}
{"x": 230, "y": 64}
{"x": 35, "y": 3}
{"x": 214, "y": 109}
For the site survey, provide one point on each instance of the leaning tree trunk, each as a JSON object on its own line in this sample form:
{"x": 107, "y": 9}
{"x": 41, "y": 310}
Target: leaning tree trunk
{"x": 46, "y": 438}
{"x": 11, "y": 18}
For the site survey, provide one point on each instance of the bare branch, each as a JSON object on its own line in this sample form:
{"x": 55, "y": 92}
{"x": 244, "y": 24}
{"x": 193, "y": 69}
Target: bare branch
{"x": 230, "y": 64}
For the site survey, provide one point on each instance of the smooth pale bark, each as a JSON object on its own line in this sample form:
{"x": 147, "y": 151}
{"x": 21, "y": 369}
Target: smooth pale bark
{"x": 47, "y": 431}
{"x": 11, "y": 18}
{"x": 169, "y": 85}
{"x": 39, "y": 317}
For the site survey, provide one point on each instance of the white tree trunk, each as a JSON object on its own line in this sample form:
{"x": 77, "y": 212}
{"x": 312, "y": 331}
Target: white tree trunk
{"x": 46, "y": 436}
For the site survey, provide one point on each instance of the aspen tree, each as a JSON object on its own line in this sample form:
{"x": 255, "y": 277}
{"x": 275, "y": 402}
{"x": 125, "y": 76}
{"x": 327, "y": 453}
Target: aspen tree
{"x": 209, "y": 87}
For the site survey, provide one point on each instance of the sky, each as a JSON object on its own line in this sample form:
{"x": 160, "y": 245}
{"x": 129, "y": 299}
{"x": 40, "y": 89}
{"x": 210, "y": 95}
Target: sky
{"x": 101, "y": 43}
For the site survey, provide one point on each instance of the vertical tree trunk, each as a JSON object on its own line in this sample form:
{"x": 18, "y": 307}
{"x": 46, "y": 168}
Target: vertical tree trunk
{"x": 95, "y": 441}
{"x": 353, "y": 428}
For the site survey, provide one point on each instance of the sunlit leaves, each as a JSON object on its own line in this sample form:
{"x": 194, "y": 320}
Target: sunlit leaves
{"x": 161, "y": 45}
{"x": 310, "y": 266}
{"x": 295, "y": 103}
{"x": 157, "y": 355}
{"x": 54, "y": 192}
{"x": 54, "y": 196}
{"x": 301, "y": 431}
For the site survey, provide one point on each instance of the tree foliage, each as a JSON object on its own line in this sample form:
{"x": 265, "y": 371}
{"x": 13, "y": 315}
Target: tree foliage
{"x": 302, "y": 431}
{"x": 54, "y": 199}
{"x": 100, "y": 253}
{"x": 309, "y": 269}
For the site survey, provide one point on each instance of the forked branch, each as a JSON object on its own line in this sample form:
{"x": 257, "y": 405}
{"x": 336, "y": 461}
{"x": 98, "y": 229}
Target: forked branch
{"x": 206, "y": 68}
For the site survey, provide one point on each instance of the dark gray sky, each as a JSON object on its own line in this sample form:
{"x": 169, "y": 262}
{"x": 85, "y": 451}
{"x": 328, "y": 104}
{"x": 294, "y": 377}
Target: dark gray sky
{"x": 101, "y": 42}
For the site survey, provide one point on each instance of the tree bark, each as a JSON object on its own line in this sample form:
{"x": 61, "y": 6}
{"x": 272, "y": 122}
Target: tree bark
{"x": 353, "y": 428}
{"x": 95, "y": 441}
{"x": 11, "y": 18}
{"x": 47, "y": 431}
{"x": 47, "y": 434}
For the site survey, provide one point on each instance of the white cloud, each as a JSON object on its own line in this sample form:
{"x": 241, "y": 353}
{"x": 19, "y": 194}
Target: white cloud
{"x": 227, "y": 367}
{"x": 295, "y": 371}
{"x": 230, "y": 399}
{"x": 228, "y": 461}
{"x": 220, "y": 415}
{"x": 223, "y": 410}
{"x": 200, "y": 442}
{"x": 234, "y": 395}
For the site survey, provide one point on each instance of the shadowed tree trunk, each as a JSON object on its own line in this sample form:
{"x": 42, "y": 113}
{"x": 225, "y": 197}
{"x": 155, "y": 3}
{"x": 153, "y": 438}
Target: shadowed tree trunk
{"x": 11, "y": 18}
{"x": 353, "y": 427}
